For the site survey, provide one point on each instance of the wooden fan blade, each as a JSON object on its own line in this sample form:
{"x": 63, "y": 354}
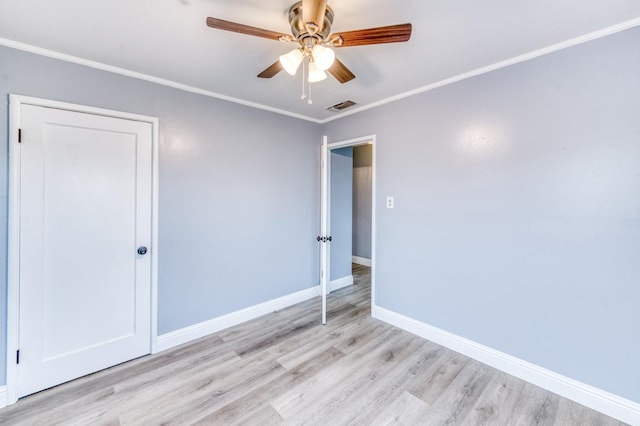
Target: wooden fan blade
{"x": 272, "y": 70}
{"x": 379, "y": 35}
{"x": 221, "y": 24}
{"x": 341, "y": 72}
{"x": 313, "y": 11}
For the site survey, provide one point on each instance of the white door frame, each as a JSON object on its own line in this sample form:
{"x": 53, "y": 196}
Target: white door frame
{"x": 13, "y": 248}
{"x": 325, "y": 213}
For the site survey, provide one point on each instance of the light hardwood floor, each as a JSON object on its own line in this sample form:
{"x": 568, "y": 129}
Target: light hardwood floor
{"x": 286, "y": 368}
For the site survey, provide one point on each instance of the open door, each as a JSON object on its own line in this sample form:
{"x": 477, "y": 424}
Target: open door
{"x": 323, "y": 238}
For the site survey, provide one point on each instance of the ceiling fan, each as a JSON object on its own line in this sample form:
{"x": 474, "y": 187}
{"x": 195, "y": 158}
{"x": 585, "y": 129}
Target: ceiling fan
{"x": 310, "y": 22}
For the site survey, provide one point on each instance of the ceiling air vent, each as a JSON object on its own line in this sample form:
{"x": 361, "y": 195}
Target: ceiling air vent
{"x": 341, "y": 106}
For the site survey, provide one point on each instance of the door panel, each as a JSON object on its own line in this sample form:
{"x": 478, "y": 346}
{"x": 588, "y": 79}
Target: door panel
{"x": 85, "y": 207}
{"x": 324, "y": 227}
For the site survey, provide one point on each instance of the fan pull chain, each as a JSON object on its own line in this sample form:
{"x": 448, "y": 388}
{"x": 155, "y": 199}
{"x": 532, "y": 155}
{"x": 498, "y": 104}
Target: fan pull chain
{"x": 305, "y": 72}
{"x": 309, "y": 101}
{"x": 303, "y": 80}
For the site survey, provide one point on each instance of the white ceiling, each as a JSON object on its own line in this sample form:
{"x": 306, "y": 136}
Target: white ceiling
{"x": 169, "y": 39}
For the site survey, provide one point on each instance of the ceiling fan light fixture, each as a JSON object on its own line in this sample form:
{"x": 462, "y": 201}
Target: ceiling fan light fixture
{"x": 323, "y": 57}
{"x": 315, "y": 73}
{"x": 291, "y": 61}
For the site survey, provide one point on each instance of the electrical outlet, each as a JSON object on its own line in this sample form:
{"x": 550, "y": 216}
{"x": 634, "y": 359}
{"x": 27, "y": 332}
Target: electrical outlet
{"x": 389, "y": 202}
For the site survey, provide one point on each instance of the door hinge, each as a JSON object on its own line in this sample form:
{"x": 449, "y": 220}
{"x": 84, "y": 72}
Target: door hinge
{"x": 19, "y": 135}
{"x": 18, "y": 356}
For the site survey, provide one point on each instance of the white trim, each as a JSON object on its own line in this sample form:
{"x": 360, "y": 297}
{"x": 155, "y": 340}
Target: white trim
{"x": 196, "y": 331}
{"x": 361, "y": 260}
{"x": 13, "y": 248}
{"x": 13, "y": 244}
{"x": 146, "y": 77}
{"x": 3, "y": 396}
{"x": 478, "y": 71}
{"x": 495, "y": 66}
{"x": 363, "y": 140}
{"x": 374, "y": 168}
{"x": 154, "y": 233}
{"x": 592, "y": 397}
{"x": 340, "y": 283}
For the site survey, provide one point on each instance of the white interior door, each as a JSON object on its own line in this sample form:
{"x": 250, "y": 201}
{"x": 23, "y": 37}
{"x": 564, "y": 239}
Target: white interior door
{"x": 324, "y": 228}
{"x": 85, "y": 209}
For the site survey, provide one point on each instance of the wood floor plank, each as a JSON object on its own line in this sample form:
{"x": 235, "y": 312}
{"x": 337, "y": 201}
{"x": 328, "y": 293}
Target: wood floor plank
{"x": 495, "y": 405}
{"x": 456, "y": 401}
{"x": 72, "y": 396}
{"x": 211, "y": 385}
{"x": 307, "y": 393}
{"x": 371, "y": 400}
{"x": 404, "y": 410}
{"x": 572, "y": 413}
{"x": 341, "y": 403}
{"x": 438, "y": 377}
{"x": 254, "y": 404}
{"x": 157, "y": 398}
{"x": 360, "y": 332}
{"x": 287, "y": 368}
{"x": 205, "y": 400}
{"x": 359, "y": 400}
{"x": 535, "y": 407}
{"x": 292, "y": 329}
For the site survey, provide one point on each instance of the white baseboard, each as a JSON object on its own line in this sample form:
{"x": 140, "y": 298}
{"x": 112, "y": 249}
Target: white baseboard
{"x": 592, "y": 397}
{"x": 361, "y": 261}
{"x": 340, "y": 283}
{"x": 3, "y": 396}
{"x": 187, "y": 334}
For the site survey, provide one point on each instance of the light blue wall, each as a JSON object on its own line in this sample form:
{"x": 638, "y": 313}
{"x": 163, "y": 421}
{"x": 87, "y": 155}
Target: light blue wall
{"x": 517, "y": 209}
{"x": 362, "y": 179}
{"x": 239, "y": 189}
{"x": 341, "y": 212}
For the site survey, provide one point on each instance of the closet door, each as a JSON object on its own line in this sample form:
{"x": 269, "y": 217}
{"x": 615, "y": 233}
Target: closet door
{"x": 85, "y": 225}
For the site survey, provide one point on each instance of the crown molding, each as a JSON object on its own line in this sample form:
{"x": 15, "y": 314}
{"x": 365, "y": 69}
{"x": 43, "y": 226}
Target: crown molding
{"x": 454, "y": 79}
{"x": 501, "y": 64}
{"x": 146, "y": 77}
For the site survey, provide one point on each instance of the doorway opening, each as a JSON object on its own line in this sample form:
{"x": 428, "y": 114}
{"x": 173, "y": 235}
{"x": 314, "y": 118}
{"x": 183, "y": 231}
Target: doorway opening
{"x": 348, "y": 214}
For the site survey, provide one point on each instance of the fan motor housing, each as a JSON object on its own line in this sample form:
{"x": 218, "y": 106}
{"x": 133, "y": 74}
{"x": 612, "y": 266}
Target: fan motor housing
{"x": 299, "y": 29}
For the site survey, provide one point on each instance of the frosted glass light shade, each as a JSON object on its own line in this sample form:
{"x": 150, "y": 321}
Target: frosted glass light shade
{"x": 315, "y": 73}
{"x": 291, "y": 61}
{"x": 323, "y": 57}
